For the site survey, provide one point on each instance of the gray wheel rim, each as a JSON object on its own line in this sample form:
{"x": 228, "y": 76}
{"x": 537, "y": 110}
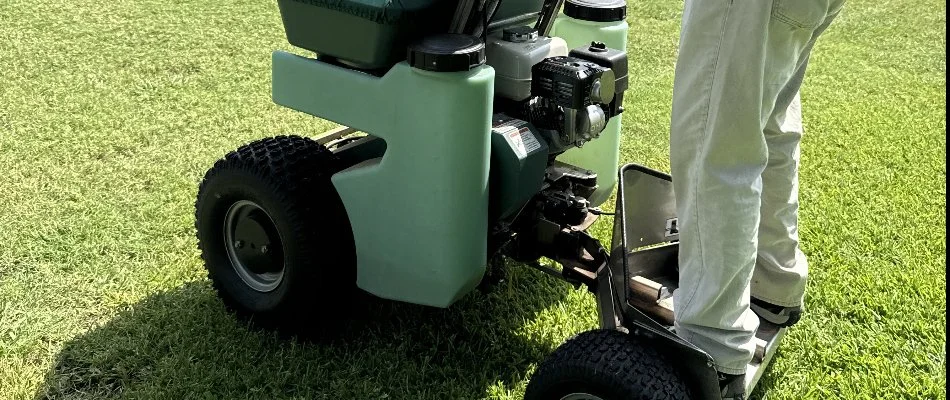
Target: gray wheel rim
{"x": 580, "y": 396}
{"x": 259, "y": 281}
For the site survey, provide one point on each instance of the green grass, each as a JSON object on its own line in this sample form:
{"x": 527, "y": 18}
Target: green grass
{"x": 111, "y": 111}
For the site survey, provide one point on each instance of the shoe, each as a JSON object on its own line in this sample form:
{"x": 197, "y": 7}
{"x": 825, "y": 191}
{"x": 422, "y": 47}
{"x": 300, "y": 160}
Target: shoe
{"x": 778, "y": 315}
{"x": 732, "y": 387}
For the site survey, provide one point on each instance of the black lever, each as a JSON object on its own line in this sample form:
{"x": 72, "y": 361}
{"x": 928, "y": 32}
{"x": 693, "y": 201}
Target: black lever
{"x": 548, "y": 13}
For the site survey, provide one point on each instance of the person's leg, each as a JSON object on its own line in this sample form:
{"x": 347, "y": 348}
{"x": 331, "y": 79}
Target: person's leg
{"x": 717, "y": 155}
{"x": 735, "y": 57}
{"x": 781, "y": 267}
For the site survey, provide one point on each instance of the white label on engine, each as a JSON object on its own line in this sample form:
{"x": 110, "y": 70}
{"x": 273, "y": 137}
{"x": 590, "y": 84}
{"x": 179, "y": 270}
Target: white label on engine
{"x": 519, "y": 137}
{"x": 530, "y": 142}
{"x": 515, "y": 137}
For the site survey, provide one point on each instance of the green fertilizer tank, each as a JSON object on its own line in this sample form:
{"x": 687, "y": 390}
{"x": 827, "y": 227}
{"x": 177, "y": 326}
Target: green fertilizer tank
{"x": 582, "y": 22}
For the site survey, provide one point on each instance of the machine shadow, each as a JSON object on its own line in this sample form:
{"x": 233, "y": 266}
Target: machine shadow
{"x": 183, "y": 344}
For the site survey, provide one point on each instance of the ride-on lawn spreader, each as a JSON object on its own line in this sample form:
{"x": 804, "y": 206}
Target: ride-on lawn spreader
{"x": 474, "y": 132}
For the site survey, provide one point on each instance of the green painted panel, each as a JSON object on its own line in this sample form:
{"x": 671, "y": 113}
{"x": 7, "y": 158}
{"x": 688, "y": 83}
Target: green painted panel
{"x": 420, "y": 213}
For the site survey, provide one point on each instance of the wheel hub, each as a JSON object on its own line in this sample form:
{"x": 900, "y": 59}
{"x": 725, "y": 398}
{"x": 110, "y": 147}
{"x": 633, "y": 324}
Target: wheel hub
{"x": 253, "y": 245}
{"x": 580, "y": 396}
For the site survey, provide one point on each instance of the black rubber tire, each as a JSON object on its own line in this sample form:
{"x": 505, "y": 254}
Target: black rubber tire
{"x": 289, "y": 178}
{"x": 609, "y": 364}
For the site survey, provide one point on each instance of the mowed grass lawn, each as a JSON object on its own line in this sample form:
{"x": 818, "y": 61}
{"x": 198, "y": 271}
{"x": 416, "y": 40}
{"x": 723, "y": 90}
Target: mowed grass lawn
{"x": 111, "y": 111}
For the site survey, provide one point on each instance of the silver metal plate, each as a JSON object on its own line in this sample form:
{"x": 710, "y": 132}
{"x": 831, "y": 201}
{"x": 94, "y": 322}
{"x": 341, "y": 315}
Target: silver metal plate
{"x": 672, "y": 230}
{"x": 649, "y": 207}
{"x": 769, "y": 335}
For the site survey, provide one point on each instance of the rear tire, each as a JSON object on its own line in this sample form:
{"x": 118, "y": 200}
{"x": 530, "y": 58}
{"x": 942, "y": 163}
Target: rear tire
{"x": 276, "y": 192}
{"x": 606, "y": 365}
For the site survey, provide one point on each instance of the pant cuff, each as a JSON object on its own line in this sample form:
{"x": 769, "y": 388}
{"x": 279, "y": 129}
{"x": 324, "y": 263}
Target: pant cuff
{"x": 778, "y": 302}
{"x": 731, "y": 369}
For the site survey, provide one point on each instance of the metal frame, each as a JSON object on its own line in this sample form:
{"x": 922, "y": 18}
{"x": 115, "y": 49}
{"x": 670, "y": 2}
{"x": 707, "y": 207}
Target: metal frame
{"x": 655, "y": 205}
{"x": 649, "y": 257}
{"x": 697, "y": 365}
{"x": 547, "y": 16}
{"x": 334, "y": 134}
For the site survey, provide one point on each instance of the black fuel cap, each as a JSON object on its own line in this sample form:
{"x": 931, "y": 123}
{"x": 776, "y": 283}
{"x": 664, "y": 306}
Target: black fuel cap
{"x": 447, "y": 52}
{"x": 596, "y": 10}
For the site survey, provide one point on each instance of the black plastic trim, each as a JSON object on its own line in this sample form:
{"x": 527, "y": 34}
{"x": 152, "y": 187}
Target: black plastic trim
{"x": 447, "y": 53}
{"x": 596, "y": 10}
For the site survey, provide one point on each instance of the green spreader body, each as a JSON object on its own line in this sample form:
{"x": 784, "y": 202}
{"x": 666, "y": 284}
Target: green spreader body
{"x": 420, "y": 212}
{"x": 486, "y": 139}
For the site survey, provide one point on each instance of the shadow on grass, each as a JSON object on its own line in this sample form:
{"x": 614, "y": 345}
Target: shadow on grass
{"x": 183, "y": 344}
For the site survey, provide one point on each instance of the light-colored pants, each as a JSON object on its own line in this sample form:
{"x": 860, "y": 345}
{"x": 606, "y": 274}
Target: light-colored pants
{"x": 734, "y": 145}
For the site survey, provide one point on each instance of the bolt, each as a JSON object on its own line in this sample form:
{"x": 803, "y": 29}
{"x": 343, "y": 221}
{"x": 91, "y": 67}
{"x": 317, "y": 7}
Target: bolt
{"x": 264, "y": 249}
{"x": 238, "y": 244}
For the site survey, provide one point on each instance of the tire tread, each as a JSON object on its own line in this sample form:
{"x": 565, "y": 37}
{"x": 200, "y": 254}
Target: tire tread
{"x": 296, "y": 172}
{"x": 610, "y": 362}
